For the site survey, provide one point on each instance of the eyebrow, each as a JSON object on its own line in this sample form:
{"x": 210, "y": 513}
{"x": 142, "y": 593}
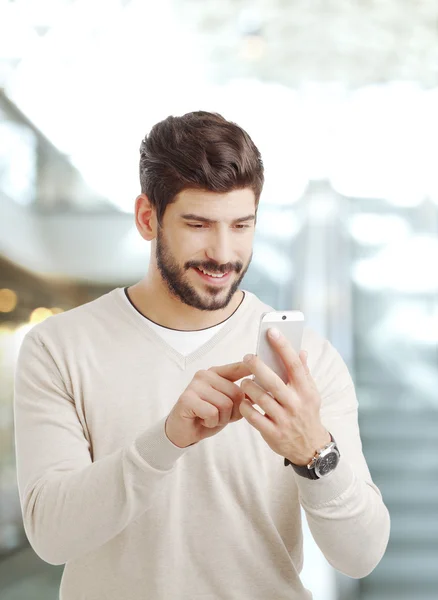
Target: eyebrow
{"x": 192, "y": 217}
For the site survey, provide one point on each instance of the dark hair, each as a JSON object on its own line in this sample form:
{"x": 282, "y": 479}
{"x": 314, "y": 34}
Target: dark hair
{"x": 199, "y": 150}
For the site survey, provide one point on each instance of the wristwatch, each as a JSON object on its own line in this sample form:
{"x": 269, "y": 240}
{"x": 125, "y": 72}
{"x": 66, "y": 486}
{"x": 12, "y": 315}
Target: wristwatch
{"x": 322, "y": 464}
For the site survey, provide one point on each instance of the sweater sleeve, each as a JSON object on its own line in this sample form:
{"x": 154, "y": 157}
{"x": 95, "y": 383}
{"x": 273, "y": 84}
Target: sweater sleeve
{"x": 345, "y": 511}
{"x": 70, "y": 504}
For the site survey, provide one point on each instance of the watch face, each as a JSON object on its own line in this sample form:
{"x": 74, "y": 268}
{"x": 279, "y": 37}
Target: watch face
{"x": 327, "y": 464}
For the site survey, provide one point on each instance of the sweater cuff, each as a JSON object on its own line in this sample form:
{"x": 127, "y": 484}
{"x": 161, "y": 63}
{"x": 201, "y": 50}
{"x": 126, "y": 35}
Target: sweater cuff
{"x": 156, "y": 449}
{"x": 316, "y": 492}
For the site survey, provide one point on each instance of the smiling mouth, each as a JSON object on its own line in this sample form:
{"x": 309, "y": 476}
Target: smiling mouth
{"x": 218, "y": 275}
{"x": 214, "y": 278}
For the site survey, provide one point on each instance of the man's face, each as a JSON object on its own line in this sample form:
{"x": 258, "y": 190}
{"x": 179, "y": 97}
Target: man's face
{"x": 210, "y": 231}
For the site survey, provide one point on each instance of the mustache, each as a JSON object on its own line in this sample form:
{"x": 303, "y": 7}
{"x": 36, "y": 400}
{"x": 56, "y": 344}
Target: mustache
{"x": 214, "y": 268}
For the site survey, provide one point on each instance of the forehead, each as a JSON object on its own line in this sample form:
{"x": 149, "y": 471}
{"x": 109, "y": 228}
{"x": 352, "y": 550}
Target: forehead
{"x": 234, "y": 204}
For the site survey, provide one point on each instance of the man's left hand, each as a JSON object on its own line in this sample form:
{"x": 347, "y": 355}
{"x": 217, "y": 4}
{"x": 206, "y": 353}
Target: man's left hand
{"x": 291, "y": 425}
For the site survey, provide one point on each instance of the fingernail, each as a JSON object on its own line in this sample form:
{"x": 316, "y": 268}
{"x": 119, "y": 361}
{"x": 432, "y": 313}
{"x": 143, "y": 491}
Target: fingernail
{"x": 247, "y": 357}
{"x": 274, "y": 333}
{"x": 306, "y": 354}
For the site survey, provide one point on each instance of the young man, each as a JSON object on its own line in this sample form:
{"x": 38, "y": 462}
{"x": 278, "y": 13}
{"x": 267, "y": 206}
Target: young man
{"x": 142, "y": 463}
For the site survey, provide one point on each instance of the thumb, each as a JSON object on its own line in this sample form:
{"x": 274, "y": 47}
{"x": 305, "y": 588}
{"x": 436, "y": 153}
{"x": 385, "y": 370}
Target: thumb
{"x": 233, "y": 371}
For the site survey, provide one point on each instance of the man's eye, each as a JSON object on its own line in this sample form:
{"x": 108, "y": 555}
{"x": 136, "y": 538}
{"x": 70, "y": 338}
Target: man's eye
{"x": 201, "y": 226}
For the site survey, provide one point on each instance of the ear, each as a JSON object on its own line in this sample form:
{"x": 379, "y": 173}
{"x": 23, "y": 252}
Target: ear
{"x": 145, "y": 217}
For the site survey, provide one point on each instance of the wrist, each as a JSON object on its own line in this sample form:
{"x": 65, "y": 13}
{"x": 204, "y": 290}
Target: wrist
{"x": 318, "y": 441}
{"x": 179, "y": 443}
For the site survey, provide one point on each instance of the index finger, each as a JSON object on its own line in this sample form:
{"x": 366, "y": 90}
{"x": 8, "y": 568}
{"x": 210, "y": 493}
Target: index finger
{"x": 294, "y": 367}
{"x": 233, "y": 371}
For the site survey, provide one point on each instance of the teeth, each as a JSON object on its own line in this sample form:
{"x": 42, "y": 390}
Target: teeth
{"x": 211, "y": 274}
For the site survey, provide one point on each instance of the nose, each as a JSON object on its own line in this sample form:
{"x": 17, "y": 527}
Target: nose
{"x": 219, "y": 247}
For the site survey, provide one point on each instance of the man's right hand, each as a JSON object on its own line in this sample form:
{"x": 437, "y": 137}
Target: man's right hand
{"x": 207, "y": 405}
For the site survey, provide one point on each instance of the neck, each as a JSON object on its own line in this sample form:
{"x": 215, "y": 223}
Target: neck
{"x": 156, "y": 303}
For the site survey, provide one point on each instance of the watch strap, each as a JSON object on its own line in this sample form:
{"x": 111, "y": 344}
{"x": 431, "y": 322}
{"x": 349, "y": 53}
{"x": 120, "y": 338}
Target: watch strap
{"x": 302, "y": 470}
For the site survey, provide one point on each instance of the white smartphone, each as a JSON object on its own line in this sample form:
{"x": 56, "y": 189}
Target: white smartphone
{"x": 291, "y": 325}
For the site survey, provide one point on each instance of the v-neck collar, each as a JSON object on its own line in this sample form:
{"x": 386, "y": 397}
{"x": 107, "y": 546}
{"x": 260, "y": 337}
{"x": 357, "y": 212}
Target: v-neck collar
{"x": 141, "y": 323}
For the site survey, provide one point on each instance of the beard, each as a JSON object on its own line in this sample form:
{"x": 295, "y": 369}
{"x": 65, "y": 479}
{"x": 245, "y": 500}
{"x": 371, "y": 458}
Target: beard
{"x": 175, "y": 277}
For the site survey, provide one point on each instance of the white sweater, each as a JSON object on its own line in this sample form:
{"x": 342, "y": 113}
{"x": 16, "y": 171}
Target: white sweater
{"x": 133, "y": 516}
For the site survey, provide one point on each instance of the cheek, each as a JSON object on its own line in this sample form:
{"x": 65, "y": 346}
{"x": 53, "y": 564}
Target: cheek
{"x": 246, "y": 247}
{"x": 188, "y": 247}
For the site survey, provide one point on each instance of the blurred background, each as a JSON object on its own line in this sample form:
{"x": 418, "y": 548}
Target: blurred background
{"x": 341, "y": 98}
